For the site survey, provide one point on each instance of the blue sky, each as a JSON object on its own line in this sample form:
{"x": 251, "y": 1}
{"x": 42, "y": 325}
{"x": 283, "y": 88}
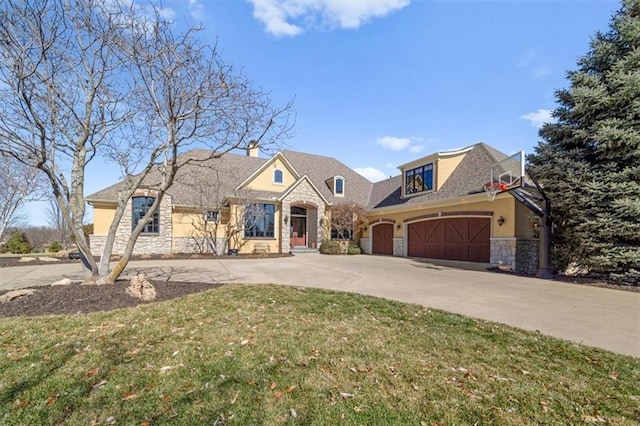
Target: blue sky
{"x": 382, "y": 82}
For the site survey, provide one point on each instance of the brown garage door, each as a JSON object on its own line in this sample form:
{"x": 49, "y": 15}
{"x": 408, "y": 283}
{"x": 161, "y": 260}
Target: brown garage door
{"x": 459, "y": 238}
{"x": 382, "y": 238}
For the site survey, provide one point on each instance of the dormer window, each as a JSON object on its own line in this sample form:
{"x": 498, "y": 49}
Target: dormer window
{"x": 338, "y": 185}
{"x": 419, "y": 179}
{"x": 278, "y": 177}
{"x": 212, "y": 216}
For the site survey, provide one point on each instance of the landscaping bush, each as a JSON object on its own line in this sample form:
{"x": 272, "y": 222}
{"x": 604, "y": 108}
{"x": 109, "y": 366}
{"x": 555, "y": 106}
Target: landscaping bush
{"x": 354, "y": 250}
{"x": 330, "y": 247}
{"x": 54, "y": 247}
{"x": 18, "y": 243}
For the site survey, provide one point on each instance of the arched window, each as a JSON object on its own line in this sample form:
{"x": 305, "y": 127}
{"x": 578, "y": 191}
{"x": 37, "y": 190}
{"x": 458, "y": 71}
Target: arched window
{"x": 339, "y": 185}
{"x": 139, "y": 207}
{"x": 278, "y": 177}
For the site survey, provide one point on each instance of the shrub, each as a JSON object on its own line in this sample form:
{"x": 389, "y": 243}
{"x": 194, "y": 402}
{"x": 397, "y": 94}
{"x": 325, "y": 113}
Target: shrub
{"x": 18, "y": 243}
{"x": 354, "y": 250}
{"x": 54, "y": 247}
{"x": 330, "y": 247}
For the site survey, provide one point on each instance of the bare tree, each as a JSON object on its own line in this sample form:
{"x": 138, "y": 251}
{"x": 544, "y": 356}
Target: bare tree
{"x": 83, "y": 79}
{"x": 221, "y": 217}
{"x": 58, "y": 223}
{"x": 19, "y": 184}
{"x": 40, "y": 237}
{"x": 347, "y": 219}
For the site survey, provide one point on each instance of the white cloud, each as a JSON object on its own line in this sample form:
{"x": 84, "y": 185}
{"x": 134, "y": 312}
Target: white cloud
{"x": 540, "y": 71}
{"x": 197, "y": 10}
{"x": 292, "y": 17}
{"x": 393, "y": 143}
{"x": 398, "y": 144}
{"x": 539, "y": 117}
{"x": 371, "y": 173}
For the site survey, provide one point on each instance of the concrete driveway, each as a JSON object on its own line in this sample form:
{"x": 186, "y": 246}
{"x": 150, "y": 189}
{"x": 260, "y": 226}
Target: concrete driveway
{"x": 599, "y": 317}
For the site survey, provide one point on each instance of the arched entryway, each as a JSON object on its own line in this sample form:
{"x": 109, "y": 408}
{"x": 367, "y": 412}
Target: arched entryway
{"x": 299, "y": 232}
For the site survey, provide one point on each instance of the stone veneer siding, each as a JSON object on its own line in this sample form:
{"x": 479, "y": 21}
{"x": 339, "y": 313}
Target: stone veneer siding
{"x": 398, "y": 246}
{"x": 160, "y": 243}
{"x": 188, "y": 245}
{"x": 527, "y": 256}
{"x": 503, "y": 252}
{"x": 364, "y": 245}
{"x": 302, "y": 195}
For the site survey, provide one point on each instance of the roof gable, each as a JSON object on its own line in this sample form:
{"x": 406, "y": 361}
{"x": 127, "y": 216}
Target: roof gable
{"x": 304, "y": 178}
{"x": 277, "y": 158}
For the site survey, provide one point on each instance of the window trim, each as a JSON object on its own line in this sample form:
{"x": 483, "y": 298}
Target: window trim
{"x": 275, "y": 181}
{"x": 155, "y": 222}
{"x": 270, "y": 231}
{"x": 413, "y": 172}
{"x": 335, "y": 186}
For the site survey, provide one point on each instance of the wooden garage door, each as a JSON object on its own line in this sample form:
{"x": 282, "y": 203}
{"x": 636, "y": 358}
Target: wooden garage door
{"x": 459, "y": 238}
{"x": 382, "y": 239}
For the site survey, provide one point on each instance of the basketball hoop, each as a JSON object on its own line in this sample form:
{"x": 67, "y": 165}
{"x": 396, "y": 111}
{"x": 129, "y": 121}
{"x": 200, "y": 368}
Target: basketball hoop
{"x": 492, "y": 189}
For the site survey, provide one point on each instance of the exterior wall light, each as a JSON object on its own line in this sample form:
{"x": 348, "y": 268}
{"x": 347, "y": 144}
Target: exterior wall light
{"x": 500, "y": 220}
{"x": 398, "y": 226}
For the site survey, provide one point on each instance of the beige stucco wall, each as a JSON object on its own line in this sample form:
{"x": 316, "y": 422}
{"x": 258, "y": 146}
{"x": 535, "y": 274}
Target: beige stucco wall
{"x": 102, "y": 217}
{"x": 444, "y": 167}
{"x": 264, "y": 180}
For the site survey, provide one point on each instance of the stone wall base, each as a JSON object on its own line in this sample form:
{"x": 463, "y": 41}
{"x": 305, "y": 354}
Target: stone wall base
{"x": 190, "y": 245}
{"x": 398, "y": 246}
{"x": 527, "y": 256}
{"x": 365, "y": 246}
{"x": 503, "y": 253}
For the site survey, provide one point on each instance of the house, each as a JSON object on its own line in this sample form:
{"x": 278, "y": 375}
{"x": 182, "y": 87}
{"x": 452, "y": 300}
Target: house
{"x": 435, "y": 208}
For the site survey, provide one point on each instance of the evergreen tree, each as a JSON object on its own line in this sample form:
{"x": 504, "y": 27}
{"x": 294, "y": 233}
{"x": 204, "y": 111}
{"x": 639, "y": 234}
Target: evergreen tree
{"x": 589, "y": 159}
{"x": 18, "y": 243}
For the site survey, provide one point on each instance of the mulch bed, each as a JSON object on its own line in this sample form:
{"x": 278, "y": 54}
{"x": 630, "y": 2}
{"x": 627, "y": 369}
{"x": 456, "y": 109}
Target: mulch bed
{"x": 81, "y": 299}
{"x": 7, "y": 262}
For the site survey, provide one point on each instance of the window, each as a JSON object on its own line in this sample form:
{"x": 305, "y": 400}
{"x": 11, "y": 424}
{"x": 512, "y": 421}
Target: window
{"x": 341, "y": 235}
{"x": 278, "y": 176}
{"x": 419, "y": 179}
{"x": 211, "y": 216}
{"x": 140, "y": 207}
{"x": 259, "y": 220}
{"x": 339, "y": 186}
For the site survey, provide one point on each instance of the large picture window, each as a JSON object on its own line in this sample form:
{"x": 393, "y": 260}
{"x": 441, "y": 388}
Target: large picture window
{"x": 140, "y": 206}
{"x": 419, "y": 179}
{"x": 259, "y": 220}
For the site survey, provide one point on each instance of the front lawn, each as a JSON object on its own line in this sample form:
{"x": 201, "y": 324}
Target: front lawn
{"x": 269, "y": 355}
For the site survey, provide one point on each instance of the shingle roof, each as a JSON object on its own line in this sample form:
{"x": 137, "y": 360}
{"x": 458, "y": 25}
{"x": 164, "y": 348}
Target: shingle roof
{"x": 468, "y": 178}
{"x": 232, "y": 169}
{"x": 203, "y": 171}
{"x": 320, "y": 169}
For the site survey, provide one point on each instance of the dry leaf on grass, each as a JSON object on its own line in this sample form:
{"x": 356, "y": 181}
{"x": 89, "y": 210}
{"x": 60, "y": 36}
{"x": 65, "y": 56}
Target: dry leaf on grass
{"x": 129, "y": 396}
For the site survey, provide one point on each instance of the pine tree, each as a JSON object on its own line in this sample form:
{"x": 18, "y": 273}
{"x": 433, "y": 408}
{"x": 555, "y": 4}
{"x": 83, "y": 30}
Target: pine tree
{"x": 589, "y": 158}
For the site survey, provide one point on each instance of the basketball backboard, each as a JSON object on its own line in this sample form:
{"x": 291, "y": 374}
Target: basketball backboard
{"x": 506, "y": 174}
{"x": 509, "y": 171}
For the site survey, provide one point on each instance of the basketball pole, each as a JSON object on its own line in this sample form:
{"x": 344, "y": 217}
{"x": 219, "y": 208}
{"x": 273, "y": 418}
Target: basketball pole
{"x": 545, "y": 270}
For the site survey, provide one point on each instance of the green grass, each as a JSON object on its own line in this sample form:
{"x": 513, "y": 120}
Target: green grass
{"x": 252, "y": 354}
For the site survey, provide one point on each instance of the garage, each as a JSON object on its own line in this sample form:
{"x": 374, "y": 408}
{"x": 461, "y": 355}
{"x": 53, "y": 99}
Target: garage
{"x": 453, "y": 238}
{"x": 382, "y": 238}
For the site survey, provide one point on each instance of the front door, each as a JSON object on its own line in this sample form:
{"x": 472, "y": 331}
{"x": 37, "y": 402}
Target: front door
{"x": 298, "y": 231}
